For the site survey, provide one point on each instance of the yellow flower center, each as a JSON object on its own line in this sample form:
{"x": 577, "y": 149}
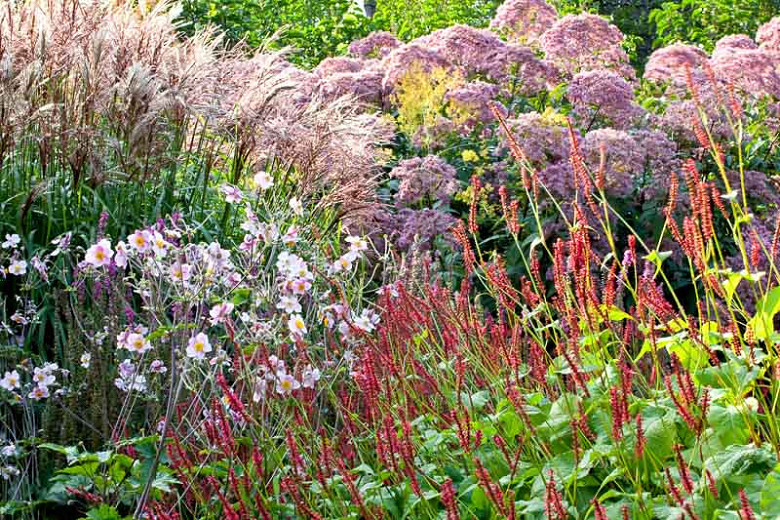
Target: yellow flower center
{"x": 100, "y": 255}
{"x": 198, "y": 346}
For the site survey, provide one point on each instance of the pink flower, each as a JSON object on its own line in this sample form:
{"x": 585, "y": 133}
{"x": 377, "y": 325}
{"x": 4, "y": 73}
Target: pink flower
{"x": 754, "y": 71}
{"x": 198, "y": 346}
{"x": 286, "y": 383}
{"x": 181, "y": 272}
{"x": 158, "y": 367}
{"x": 220, "y": 312}
{"x": 296, "y": 325}
{"x": 669, "y": 63}
{"x": 17, "y": 268}
{"x": 310, "y": 376}
{"x": 137, "y": 343}
{"x": 232, "y": 194}
{"x": 732, "y": 42}
{"x": 523, "y": 21}
{"x": 422, "y": 177}
{"x": 39, "y": 392}
{"x": 120, "y": 257}
{"x": 99, "y": 255}
{"x": 376, "y": 45}
{"x": 141, "y": 241}
{"x": 603, "y": 94}
{"x": 407, "y": 58}
{"x": 586, "y": 42}
{"x": 768, "y": 35}
{"x": 330, "y": 66}
{"x": 11, "y": 381}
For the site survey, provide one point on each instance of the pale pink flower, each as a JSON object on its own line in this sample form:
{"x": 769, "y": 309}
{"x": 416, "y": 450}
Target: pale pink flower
{"x": 198, "y": 346}
{"x": 100, "y": 254}
{"x": 141, "y": 241}
{"x": 18, "y": 268}
{"x": 158, "y": 367}
{"x": 39, "y": 392}
{"x": 42, "y": 377}
{"x": 286, "y": 383}
{"x": 181, "y": 272}
{"x": 309, "y": 377}
{"x": 264, "y": 180}
{"x": 137, "y": 343}
{"x": 523, "y": 21}
{"x": 289, "y": 304}
{"x": 296, "y": 325}
{"x": 232, "y": 194}
{"x": 220, "y": 312}
{"x": 120, "y": 256}
{"x": 11, "y": 380}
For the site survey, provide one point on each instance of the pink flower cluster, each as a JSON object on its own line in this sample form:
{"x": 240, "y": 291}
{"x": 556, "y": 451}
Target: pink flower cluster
{"x": 423, "y": 177}
{"x": 585, "y": 42}
{"x": 523, "y": 21}
{"x": 603, "y": 94}
{"x": 376, "y": 45}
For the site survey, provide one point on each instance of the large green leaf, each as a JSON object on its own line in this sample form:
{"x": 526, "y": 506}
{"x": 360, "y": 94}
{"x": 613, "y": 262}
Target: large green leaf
{"x": 770, "y": 494}
{"x": 767, "y": 307}
{"x": 729, "y": 424}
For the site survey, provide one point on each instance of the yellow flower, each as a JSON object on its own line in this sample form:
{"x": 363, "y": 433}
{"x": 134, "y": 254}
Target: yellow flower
{"x": 469, "y": 155}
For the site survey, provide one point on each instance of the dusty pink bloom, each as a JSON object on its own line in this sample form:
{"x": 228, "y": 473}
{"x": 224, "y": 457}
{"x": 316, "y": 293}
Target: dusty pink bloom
{"x": 479, "y": 52}
{"x": 365, "y": 85}
{"x": 421, "y": 227}
{"x": 603, "y": 94}
{"x": 376, "y": 45}
{"x": 678, "y": 115}
{"x": 729, "y": 43}
{"x": 542, "y": 139}
{"x": 668, "y": 64}
{"x": 768, "y": 35}
{"x": 422, "y": 177}
{"x": 661, "y": 159}
{"x": 625, "y": 159}
{"x": 585, "y": 42}
{"x": 434, "y": 135}
{"x": 636, "y": 163}
{"x": 753, "y": 71}
{"x": 558, "y": 179}
{"x": 523, "y": 21}
{"x": 469, "y": 104}
{"x": 406, "y": 58}
{"x": 330, "y": 66}
{"x": 527, "y": 75}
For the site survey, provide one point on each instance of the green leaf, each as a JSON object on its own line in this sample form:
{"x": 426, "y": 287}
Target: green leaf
{"x": 659, "y": 435}
{"x": 740, "y": 460}
{"x": 658, "y": 257}
{"x": 766, "y": 309}
{"x": 770, "y": 494}
{"x": 103, "y": 512}
{"x": 71, "y": 452}
{"x": 733, "y": 375}
{"x": 729, "y": 424}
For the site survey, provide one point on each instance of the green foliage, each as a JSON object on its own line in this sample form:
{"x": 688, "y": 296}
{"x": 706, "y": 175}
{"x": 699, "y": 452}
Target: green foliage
{"x": 704, "y": 22}
{"x": 409, "y": 19}
{"x": 315, "y": 28}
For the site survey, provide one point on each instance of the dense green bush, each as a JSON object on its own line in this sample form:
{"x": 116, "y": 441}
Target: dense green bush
{"x": 316, "y": 28}
{"x": 412, "y": 18}
{"x": 704, "y": 22}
